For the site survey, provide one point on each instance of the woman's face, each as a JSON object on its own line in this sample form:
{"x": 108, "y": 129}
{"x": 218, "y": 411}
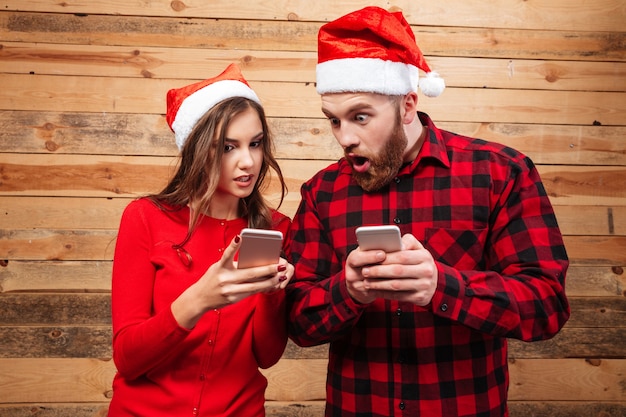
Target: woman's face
{"x": 243, "y": 156}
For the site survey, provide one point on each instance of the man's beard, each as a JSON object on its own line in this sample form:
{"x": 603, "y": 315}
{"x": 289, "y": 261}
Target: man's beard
{"x": 384, "y": 166}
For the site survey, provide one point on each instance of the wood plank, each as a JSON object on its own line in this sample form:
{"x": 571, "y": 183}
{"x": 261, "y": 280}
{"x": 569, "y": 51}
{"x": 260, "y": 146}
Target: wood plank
{"x": 316, "y": 409}
{"x": 27, "y": 309}
{"x": 95, "y": 276}
{"x": 566, "y": 409}
{"x": 130, "y": 177}
{"x": 531, "y": 380}
{"x": 446, "y": 40}
{"x": 55, "y": 380}
{"x": 573, "y": 342}
{"x": 83, "y": 245}
{"x": 567, "y": 380}
{"x": 67, "y": 212}
{"x": 126, "y": 95}
{"x": 104, "y": 213}
{"x": 599, "y": 251}
{"x": 95, "y": 341}
{"x": 84, "y": 409}
{"x": 295, "y": 66}
{"x": 67, "y": 245}
{"x": 56, "y": 342}
{"x": 63, "y": 276}
{"x": 592, "y": 281}
{"x": 606, "y": 15}
{"x": 295, "y": 138}
{"x": 33, "y": 309}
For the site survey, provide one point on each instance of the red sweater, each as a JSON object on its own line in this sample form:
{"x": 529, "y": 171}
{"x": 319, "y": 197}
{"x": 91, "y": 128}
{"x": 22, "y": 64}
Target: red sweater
{"x": 164, "y": 369}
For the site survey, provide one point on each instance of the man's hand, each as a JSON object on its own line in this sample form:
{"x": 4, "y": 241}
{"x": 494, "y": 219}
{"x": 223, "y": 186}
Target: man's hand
{"x": 407, "y": 275}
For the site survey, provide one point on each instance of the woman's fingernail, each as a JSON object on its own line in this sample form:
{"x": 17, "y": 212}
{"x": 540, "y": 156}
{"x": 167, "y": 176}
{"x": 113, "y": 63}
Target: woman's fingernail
{"x": 282, "y": 278}
{"x": 237, "y": 239}
{"x": 281, "y": 268}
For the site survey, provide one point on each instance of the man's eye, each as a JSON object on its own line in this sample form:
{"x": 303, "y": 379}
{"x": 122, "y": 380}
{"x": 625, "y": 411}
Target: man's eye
{"x": 333, "y": 121}
{"x": 361, "y": 117}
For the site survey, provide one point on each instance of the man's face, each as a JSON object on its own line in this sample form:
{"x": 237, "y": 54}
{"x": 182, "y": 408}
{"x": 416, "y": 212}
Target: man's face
{"x": 368, "y": 128}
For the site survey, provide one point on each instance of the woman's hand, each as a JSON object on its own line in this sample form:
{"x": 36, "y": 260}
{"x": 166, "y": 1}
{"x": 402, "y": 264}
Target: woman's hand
{"x": 223, "y": 284}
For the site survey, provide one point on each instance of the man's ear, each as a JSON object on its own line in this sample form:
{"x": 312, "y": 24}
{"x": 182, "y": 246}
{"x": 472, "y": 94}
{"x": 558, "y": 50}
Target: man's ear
{"x": 409, "y": 107}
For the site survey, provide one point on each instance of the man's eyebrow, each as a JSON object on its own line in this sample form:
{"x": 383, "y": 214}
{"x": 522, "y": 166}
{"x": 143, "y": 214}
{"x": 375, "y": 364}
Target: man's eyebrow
{"x": 352, "y": 109}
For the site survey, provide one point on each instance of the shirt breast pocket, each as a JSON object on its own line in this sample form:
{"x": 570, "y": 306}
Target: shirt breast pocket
{"x": 462, "y": 249}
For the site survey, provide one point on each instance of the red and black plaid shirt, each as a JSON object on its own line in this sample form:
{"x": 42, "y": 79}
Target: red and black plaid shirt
{"x": 482, "y": 211}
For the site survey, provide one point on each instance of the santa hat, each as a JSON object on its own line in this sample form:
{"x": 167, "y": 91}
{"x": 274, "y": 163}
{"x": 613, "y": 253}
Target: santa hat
{"x": 186, "y": 105}
{"x": 372, "y": 50}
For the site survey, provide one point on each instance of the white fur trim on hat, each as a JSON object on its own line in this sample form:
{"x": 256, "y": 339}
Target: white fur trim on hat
{"x": 201, "y": 101}
{"x": 368, "y": 75}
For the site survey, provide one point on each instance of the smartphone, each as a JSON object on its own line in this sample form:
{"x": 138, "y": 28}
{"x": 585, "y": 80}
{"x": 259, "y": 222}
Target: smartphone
{"x": 385, "y": 238}
{"x": 259, "y": 247}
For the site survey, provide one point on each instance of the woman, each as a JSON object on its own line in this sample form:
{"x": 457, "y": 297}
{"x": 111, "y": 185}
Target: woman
{"x": 190, "y": 330}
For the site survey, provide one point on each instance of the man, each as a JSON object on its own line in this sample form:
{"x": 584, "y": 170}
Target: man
{"x": 421, "y": 331}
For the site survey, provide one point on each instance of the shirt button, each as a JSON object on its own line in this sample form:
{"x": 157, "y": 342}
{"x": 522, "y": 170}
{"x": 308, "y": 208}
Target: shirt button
{"x": 397, "y": 180}
{"x": 397, "y": 220}
{"x": 444, "y": 307}
{"x": 401, "y": 406}
{"x": 399, "y": 312}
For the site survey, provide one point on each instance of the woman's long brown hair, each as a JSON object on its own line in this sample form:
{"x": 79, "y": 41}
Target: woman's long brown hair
{"x": 198, "y": 172}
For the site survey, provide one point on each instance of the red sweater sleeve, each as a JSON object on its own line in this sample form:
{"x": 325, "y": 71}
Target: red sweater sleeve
{"x": 141, "y": 340}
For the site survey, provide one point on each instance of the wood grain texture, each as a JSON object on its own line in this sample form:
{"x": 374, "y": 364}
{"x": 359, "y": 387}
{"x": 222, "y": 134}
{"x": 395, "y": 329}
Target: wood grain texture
{"x": 296, "y": 66}
{"x": 82, "y": 133}
{"x": 89, "y": 380}
{"x": 601, "y": 15}
{"x": 126, "y": 95}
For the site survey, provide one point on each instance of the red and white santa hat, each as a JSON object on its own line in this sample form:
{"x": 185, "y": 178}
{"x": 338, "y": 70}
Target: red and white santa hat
{"x": 372, "y": 50}
{"x": 186, "y": 105}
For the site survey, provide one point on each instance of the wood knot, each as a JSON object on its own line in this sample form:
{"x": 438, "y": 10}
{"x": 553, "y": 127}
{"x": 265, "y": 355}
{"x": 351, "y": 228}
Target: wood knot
{"x": 56, "y": 333}
{"x": 617, "y": 270}
{"x": 178, "y": 6}
{"x": 594, "y": 362}
{"x": 4, "y": 262}
{"x": 293, "y": 17}
{"x": 51, "y": 145}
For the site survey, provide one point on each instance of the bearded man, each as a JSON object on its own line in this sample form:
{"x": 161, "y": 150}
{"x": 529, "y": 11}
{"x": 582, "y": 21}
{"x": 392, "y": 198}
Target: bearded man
{"x": 421, "y": 331}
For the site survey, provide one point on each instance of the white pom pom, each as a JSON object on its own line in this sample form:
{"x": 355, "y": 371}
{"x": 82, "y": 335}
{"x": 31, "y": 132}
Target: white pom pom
{"x": 433, "y": 85}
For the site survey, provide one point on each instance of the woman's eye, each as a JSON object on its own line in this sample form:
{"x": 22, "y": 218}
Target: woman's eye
{"x": 228, "y": 148}
{"x": 255, "y": 144}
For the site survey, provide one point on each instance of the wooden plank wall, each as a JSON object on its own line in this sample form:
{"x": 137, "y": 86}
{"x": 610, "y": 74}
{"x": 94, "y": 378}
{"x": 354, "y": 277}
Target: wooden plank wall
{"x": 82, "y": 132}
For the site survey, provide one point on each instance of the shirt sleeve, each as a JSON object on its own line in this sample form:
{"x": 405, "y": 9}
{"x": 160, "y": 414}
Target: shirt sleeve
{"x": 520, "y": 291}
{"x": 319, "y": 306}
{"x": 141, "y": 341}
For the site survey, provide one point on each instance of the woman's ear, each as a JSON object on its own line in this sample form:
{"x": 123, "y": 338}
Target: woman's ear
{"x": 409, "y": 107}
